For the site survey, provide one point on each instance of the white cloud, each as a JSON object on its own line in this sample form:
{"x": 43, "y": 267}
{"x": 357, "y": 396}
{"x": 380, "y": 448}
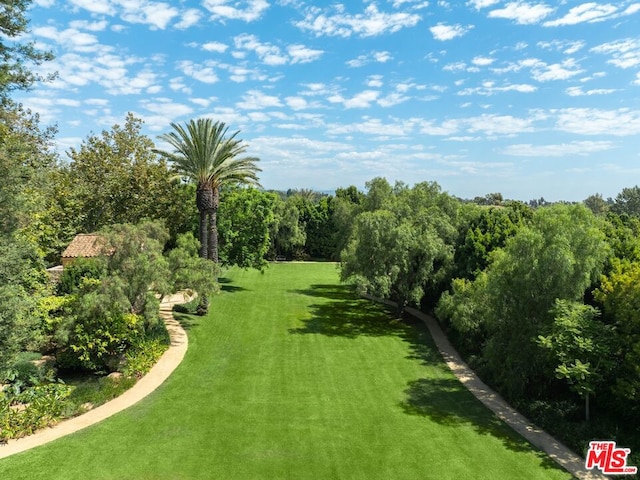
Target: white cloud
{"x": 587, "y": 12}
{"x": 188, "y": 19}
{"x": 247, "y": 10}
{"x": 362, "y": 60}
{"x": 166, "y": 107}
{"x": 363, "y": 99}
{"x": 271, "y": 54}
{"x": 374, "y": 126}
{"x": 579, "y": 92}
{"x": 478, "y": 4}
{"x": 522, "y": 13}
{"x": 566, "y": 47}
{"x": 338, "y": 23}
{"x": 499, "y": 124}
{"x": 374, "y": 81}
{"x": 592, "y": 121}
{"x": 177, "y": 84}
{"x": 489, "y": 88}
{"x": 155, "y": 14}
{"x": 70, "y": 38}
{"x": 625, "y": 53}
{"x": 393, "y": 99}
{"x": 204, "y": 73}
{"x": 483, "y": 61}
{"x": 214, "y": 47}
{"x": 94, "y": 6}
{"x": 558, "y": 71}
{"x": 256, "y": 100}
{"x": 296, "y": 103}
{"x": 444, "y": 32}
{"x": 98, "y": 26}
{"x": 558, "y": 150}
{"x": 302, "y": 54}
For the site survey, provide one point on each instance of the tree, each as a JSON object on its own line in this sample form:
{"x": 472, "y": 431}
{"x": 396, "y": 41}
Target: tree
{"x": 559, "y": 256}
{"x": 403, "y": 246}
{"x": 581, "y": 346}
{"x": 597, "y": 204}
{"x": 619, "y": 295}
{"x": 17, "y": 58}
{"x": 487, "y": 229}
{"x": 287, "y": 234}
{"x": 628, "y": 201}
{"x": 246, "y": 216}
{"x": 133, "y": 183}
{"x": 207, "y": 157}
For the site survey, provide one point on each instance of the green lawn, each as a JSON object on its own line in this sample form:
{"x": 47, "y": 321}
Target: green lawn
{"x": 293, "y": 377}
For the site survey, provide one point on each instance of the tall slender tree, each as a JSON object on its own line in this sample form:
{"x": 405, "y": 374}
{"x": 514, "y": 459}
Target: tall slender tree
{"x": 204, "y": 154}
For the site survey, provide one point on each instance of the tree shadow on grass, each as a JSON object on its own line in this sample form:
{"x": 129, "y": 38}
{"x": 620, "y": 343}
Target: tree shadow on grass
{"x": 186, "y": 321}
{"x": 447, "y": 402}
{"x": 443, "y": 400}
{"x": 225, "y": 285}
{"x": 346, "y": 315}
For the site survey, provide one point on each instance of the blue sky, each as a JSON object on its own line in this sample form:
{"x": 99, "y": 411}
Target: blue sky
{"x": 525, "y": 98}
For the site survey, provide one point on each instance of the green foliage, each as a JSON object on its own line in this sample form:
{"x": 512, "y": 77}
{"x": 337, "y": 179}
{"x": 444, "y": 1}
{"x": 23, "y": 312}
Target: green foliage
{"x": 18, "y": 329}
{"x": 81, "y": 268}
{"x": 487, "y": 229}
{"x": 137, "y": 264}
{"x": 245, "y": 217}
{"x": 133, "y": 183}
{"x": 17, "y": 57}
{"x": 30, "y": 410}
{"x": 558, "y": 257}
{"x": 627, "y": 202}
{"x": 404, "y": 248}
{"x": 288, "y": 234}
{"x": 581, "y": 346}
{"x": 104, "y": 316}
{"x": 204, "y": 154}
{"x": 143, "y": 355}
{"x": 93, "y": 391}
{"x": 188, "y": 271}
{"x": 597, "y": 204}
{"x": 619, "y": 295}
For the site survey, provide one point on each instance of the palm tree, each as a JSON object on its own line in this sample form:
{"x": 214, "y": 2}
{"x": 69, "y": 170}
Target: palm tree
{"x": 204, "y": 155}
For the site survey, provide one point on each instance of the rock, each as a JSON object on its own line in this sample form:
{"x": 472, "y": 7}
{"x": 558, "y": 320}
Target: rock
{"x": 115, "y": 376}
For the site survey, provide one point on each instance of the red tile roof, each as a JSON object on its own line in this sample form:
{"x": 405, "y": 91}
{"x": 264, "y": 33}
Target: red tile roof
{"x": 84, "y": 245}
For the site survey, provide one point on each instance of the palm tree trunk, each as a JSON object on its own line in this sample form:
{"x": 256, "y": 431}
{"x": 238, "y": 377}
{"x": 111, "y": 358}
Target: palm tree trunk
{"x": 204, "y": 202}
{"x": 204, "y": 244}
{"x": 213, "y": 227}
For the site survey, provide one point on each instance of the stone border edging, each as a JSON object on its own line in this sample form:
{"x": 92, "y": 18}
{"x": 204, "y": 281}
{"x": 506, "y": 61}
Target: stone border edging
{"x": 557, "y": 451}
{"x": 168, "y": 362}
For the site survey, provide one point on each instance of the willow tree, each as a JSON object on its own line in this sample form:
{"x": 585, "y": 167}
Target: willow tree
{"x": 205, "y": 155}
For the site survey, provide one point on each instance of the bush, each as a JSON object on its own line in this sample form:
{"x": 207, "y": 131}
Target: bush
{"x": 72, "y": 276}
{"x": 143, "y": 355}
{"x": 30, "y": 410}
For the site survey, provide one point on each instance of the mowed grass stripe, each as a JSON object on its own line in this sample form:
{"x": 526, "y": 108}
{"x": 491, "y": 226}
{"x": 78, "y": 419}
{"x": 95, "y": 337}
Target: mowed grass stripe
{"x": 292, "y": 376}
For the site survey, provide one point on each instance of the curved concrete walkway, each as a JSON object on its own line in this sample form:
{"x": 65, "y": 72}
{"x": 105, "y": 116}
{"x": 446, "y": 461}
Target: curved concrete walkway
{"x": 147, "y": 384}
{"x": 558, "y": 452}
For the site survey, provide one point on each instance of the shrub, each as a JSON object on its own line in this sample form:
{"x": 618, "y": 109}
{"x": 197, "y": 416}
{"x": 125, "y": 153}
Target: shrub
{"x": 72, "y": 276}
{"x": 30, "y": 410}
{"x": 143, "y": 355}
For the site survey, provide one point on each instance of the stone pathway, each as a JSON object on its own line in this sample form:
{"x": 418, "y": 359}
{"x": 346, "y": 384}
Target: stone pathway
{"x": 147, "y": 384}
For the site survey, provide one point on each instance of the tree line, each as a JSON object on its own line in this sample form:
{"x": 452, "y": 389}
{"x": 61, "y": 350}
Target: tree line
{"x": 542, "y": 302}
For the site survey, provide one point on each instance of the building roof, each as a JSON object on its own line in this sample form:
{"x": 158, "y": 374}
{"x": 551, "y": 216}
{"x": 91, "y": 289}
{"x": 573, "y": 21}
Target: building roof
{"x": 85, "y": 245}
